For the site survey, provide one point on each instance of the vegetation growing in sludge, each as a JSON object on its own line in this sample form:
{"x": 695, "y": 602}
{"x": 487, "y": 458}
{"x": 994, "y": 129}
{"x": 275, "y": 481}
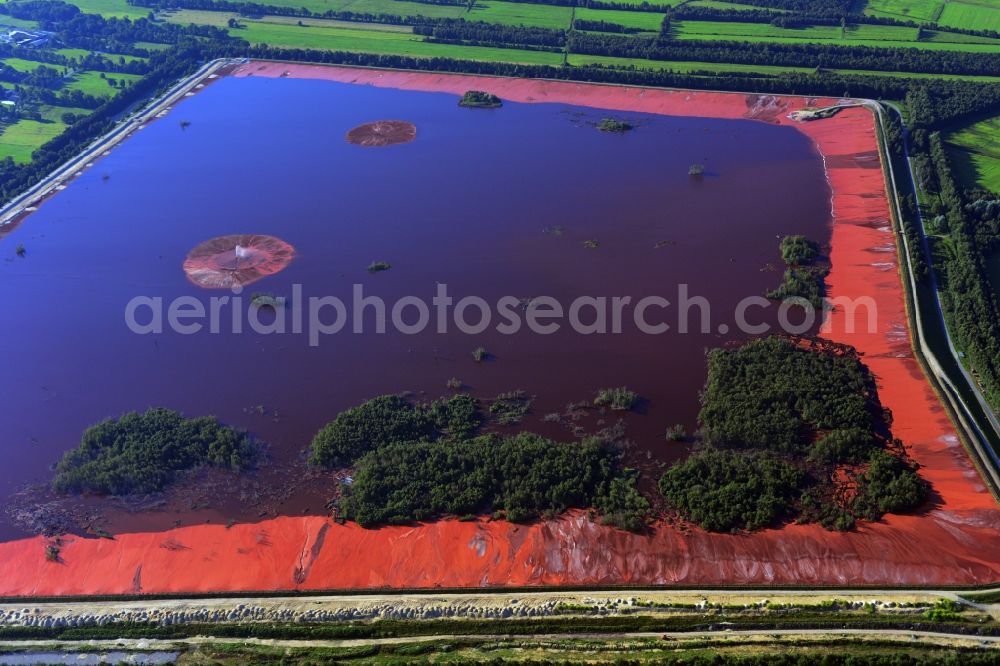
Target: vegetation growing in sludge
{"x": 614, "y": 125}
{"x": 619, "y": 398}
{"x": 791, "y": 433}
{"x": 424, "y": 461}
{"x": 520, "y": 477}
{"x": 145, "y": 452}
{"x": 790, "y": 430}
{"x": 803, "y": 279}
{"x": 480, "y": 100}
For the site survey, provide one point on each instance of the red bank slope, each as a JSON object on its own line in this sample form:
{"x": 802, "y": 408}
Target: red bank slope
{"x": 956, "y": 541}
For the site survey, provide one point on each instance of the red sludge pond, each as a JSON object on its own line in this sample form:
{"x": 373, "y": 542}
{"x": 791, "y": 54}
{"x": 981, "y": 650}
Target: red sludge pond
{"x": 525, "y": 201}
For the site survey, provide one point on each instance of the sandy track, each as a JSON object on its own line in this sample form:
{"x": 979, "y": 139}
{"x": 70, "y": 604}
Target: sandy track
{"x": 473, "y": 605}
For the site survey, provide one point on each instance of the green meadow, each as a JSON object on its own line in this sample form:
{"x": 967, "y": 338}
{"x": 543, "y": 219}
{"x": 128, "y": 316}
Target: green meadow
{"x": 335, "y": 36}
{"x": 649, "y": 21}
{"x": 20, "y": 139}
{"x": 91, "y": 83}
{"x": 971, "y": 14}
{"x": 868, "y": 35}
{"x": 975, "y": 154}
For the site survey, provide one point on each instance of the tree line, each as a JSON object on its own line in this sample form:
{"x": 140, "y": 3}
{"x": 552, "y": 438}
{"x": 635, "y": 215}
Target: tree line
{"x": 967, "y": 293}
{"x": 490, "y": 34}
{"x": 832, "y": 56}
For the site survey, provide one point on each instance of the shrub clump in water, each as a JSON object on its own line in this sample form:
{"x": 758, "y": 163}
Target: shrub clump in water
{"x": 477, "y": 99}
{"x": 620, "y": 398}
{"x": 145, "y": 452}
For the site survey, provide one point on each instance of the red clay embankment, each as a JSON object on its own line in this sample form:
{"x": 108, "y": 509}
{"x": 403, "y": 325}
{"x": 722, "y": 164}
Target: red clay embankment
{"x": 955, "y": 542}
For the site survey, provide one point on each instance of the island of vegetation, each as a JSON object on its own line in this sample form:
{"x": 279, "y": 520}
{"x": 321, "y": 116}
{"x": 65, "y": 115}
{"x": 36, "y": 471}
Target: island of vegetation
{"x": 477, "y": 99}
{"x": 803, "y": 278}
{"x": 791, "y": 431}
{"x": 614, "y": 125}
{"x": 416, "y": 462}
{"x": 144, "y": 452}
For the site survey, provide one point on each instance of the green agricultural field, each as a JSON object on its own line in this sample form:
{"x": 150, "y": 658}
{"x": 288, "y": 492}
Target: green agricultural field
{"x": 20, "y": 139}
{"x": 399, "y": 8}
{"x": 656, "y": 3}
{"x": 22, "y": 65}
{"x": 11, "y": 22}
{"x": 649, "y": 21}
{"x": 720, "y": 4}
{"x": 870, "y": 35}
{"x": 83, "y": 53}
{"x": 970, "y": 14}
{"x": 680, "y": 66}
{"x": 973, "y": 14}
{"x": 915, "y": 10}
{"x": 55, "y": 113}
{"x": 116, "y": 8}
{"x": 975, "y": 154}
{"x": 151, "y": 46}
{"x": 493, "y": 11}
{"x": 517, "y": 13}
{"x": 91, "y": 83}
{"x": 714, "y": 67}
{"x": 74, "y": 53}
{"x": 334, "y": 36}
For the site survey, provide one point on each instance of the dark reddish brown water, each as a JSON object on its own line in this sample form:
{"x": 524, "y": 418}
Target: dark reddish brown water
{"x": 471, "y": 203}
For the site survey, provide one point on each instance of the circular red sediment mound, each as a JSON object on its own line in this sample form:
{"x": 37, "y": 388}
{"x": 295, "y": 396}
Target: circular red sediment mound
{"x": 382, "y": 133}
{"x": 236, "y": 260}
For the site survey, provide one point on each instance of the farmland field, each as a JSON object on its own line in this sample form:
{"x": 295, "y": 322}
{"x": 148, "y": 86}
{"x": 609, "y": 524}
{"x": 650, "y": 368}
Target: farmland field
{"x": 643, "y": 20}
{"x": 319, "y": 35}
{"x": 91, "y": 83}
{"x": 917, "y": 10}
{"x": 971, "y": 14}
{"x": 658, "y": 3}
{"x": 967, "y": 14}
{"x": 975, "y": 151}
{"x": 20, "y": 139}
{"x": 55, "y": 113}
{"x": 111, "y": 8}
{"x": 22, "y": 65}
{"x": 83, "y": 53}
{"x": 721, "y": 4}
{"x": 516, "y": 13}
{"x": 709, "y": 67}
{"x": 495, "y": 11}
{"x": 860, "y": 35}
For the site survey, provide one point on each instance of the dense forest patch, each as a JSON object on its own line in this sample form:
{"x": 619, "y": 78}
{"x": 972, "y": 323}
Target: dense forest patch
{"x": 390, "y": 419}
{"x": 424, "y": 461}
{"x": 519, "y": 478}
{"x": 143, "y": 453}
{"x": 791, "y": 432}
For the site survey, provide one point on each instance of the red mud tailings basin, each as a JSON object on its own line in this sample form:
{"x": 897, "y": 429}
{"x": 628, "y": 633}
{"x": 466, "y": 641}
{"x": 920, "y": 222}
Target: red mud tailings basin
{"x": 956, "y": 541}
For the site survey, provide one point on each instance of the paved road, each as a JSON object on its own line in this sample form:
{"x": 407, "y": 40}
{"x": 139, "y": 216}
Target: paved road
{"x": 980, "y": 435}
{"x": 26, "y": 201}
